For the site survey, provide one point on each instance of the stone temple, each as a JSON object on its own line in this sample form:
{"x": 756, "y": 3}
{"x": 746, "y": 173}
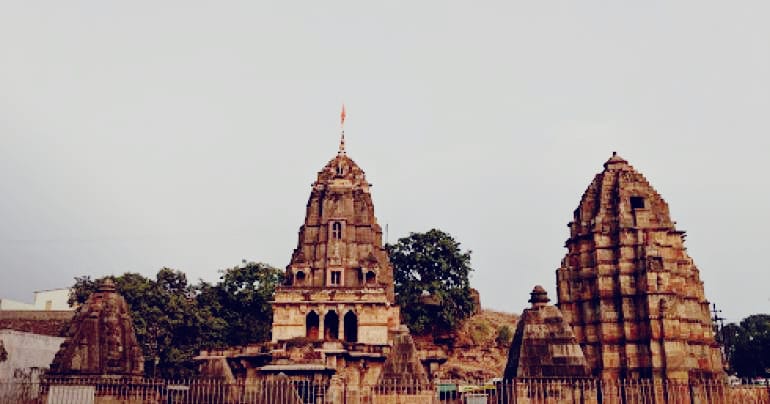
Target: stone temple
{"x": 100, "y": 340}
{"x": 543, "y": 344}
{"x": 339, "y": 281}
{"x": 631, "y": 293}
{"x": 335, "y": 317}
{"x": 338, "y": 296}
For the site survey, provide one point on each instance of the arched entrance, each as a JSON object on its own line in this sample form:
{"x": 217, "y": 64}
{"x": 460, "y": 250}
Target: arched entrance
{"x": 351, "y": 327}
{"x": 311, "y": 325}
{"x": 331, "y": 326}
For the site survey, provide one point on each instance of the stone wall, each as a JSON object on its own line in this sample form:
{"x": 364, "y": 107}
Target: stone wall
{"x": 26, "y": 351}
{"x": 44, "y": 322}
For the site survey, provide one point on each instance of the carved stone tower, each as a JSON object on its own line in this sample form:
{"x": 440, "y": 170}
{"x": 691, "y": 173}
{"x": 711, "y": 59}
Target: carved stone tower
{"x": 339, "y": 283}
{"x": 100, "y": 340}
{"x": 633, "y": 296}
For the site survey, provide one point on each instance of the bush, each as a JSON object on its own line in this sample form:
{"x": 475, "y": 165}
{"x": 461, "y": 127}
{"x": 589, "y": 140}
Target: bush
{"x": 504, "y": 336}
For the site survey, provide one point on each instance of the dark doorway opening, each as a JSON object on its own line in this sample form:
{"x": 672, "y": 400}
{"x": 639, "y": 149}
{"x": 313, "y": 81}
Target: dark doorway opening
{"x": 311, "y": 325}
{"x": 331, "y": 326}
{"x": 351, "y": 327}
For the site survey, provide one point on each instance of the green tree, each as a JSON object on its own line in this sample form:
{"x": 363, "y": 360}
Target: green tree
{"x": 82, "y": 288}
{"x": 242, "y": 299}
{"x": 747, "y": 346}
{"x": 174, "y": 320}
{"x": 504, "y": 336}
{"x": 431, "y": 281}
{"x": 169, "y": 325}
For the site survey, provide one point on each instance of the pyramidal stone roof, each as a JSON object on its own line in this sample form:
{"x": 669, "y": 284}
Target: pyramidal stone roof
{"x": 402, "y": 365}
{"x": 543, "y": 344}
{"x": 612, "y": 197}
{"x": 341, "y": 232}
{"x": 100, "y": 339}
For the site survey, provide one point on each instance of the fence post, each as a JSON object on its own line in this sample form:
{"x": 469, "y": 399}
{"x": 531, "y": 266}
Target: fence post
{"x": 692, "y": 392}
{"x": 599, "y": 392}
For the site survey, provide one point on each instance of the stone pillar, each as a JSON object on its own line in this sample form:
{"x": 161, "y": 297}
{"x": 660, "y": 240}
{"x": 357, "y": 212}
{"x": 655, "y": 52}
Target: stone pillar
{"x": 321, "y": 321}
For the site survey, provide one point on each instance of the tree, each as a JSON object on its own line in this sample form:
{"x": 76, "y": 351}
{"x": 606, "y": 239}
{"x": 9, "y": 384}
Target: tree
{"x": 431, "y": 281}
{"x": 80, "y": 291}
{"x": 174, "y": 320}
{"x": 747, "y": 346}
{"x": 504, "y": 336}
{"x": 242, "y": 299}
{"x": 170, "y": 327}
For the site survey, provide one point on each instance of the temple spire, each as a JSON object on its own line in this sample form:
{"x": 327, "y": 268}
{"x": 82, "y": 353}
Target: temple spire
{"x": 342, "y": 135}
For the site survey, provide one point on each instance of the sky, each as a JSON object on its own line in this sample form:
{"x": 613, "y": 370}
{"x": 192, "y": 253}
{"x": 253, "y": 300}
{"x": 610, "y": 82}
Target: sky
{"x": 186, "y": 134}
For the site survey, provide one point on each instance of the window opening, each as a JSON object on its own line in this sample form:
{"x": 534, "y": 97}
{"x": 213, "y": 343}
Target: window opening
{"x": 311, "y": 325}
{"x": 336, "y": 278}
{"x": 331, "y": 326}
{"x": 370, "y": 278}
{"x": 637, "y": 202}
{"x": 336, "y": 230}
{"x": 351, "y": 327}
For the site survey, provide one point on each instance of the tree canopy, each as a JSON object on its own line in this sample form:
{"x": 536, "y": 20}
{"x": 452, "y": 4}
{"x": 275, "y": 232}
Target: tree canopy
{"x": 432, "y": 285}
{"x": 747, "y": 346}
{"x": 173, "y": 319}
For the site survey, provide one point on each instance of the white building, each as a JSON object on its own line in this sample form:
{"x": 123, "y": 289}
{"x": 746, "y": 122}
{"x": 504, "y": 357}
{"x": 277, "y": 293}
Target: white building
{"x": 54, "y": 299}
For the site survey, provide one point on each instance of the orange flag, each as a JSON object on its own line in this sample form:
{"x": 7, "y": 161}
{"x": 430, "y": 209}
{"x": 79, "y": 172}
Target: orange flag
{"x": 342, "y": 115}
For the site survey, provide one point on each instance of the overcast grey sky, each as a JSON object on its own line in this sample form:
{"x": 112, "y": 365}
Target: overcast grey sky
{"x": 142, "y": 134}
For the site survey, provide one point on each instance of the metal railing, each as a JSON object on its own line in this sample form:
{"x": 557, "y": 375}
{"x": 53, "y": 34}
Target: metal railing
{"x": 301, "y": 391}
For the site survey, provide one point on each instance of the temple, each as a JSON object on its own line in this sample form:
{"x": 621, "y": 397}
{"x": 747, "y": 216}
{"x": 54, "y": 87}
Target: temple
{"x": 335, "y": 320}
{"x": 100, "y": 341}
{"x": 339, "y": 283}
{"x": 338, "y": 296}
{"x": 631, "y": 293}
{"x": 543, "y": 344}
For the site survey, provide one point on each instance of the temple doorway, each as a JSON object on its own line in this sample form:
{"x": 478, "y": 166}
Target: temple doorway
{"x": 311, "y": 325}
{"x": 331, "y": 326}
{"x": 351, "y": 327}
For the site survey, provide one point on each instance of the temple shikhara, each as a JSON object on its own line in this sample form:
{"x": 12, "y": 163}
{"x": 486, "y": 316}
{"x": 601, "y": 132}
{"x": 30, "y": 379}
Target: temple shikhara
{"x": 338, "y": 295}
{"x": 339, "y": 281}
{"x": 629, "y": 290}
{"x": 335, "y": 317}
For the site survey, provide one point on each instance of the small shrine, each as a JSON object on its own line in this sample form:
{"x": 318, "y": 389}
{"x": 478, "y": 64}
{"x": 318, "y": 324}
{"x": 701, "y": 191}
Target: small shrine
{"x": 100, "y": 340}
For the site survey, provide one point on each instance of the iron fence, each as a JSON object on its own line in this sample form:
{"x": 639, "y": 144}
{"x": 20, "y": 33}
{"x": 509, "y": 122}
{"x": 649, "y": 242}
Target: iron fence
{"x": 298, "y": 391}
